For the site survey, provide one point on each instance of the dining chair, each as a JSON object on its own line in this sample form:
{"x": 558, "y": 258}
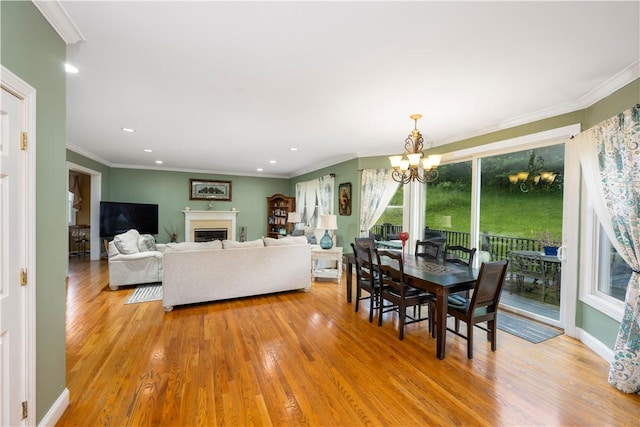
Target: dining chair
{"x": 395, "y": 290}
{"x": 482, "y": 306}
{"x": 431, "y": 249}
{"x": 461, "y": 255}
{"x": 365, "y": 242}
{"x": 367, "y": 278}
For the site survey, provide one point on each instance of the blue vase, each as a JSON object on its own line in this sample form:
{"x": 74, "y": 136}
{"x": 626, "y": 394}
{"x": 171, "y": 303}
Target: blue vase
{"x": 326, "y": 242}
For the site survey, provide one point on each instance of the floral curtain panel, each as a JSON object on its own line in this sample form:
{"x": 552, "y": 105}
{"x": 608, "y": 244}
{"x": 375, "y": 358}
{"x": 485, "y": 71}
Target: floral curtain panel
{"x": 378, "y": 187}
{"x": 610, "y": 159}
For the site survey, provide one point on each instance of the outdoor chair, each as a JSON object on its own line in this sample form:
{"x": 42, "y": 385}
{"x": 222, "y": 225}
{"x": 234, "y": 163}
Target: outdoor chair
{"x": 482, "y": 306}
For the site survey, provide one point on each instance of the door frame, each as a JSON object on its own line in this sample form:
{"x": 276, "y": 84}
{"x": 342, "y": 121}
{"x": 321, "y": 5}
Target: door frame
{"x": 569, "y": 280}
{"x": 95, "y": 246}
{"x": 14, "y": 84}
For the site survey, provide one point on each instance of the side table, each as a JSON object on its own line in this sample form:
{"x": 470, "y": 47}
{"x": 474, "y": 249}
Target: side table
{"x": 318, "y": 271}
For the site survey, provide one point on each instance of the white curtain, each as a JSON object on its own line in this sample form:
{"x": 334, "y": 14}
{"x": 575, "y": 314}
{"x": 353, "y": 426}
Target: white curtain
{"x": 315, "y": 198}
{"x": 378, "y": 187}
{"x": 610, "y": 160}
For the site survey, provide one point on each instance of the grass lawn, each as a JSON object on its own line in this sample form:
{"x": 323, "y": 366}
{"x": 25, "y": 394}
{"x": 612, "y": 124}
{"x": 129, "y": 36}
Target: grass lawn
{"x": 502, "y": 212}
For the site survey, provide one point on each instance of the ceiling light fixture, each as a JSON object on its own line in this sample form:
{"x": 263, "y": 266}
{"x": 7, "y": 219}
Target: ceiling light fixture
{"x": 412, "y": 165}
{"x": 273, "y": 162}
{"x": 159, "y": 162}
{"x": 71, "y": 69}
{"x": 128, "y": 130}
{"x": 148, "y": 150}
{"x": 259, "y": 169}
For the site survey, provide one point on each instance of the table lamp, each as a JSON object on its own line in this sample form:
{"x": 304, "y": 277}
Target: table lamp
{"x": 327, "y": 222}
{"x": 294, "y": 218}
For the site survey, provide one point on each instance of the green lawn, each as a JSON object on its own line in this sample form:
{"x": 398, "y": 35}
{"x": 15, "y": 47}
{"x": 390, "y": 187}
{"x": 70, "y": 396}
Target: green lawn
{"x": 502, "y": 211}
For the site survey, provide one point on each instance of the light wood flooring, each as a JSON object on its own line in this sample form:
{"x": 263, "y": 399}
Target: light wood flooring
{"x": 306, "y": 358}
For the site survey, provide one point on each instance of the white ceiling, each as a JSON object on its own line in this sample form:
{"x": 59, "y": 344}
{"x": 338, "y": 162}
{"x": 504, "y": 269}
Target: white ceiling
{"x": 225, "y": 87}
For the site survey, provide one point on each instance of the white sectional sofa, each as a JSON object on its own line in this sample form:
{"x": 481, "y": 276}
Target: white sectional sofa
{"x": 235, "y": 269}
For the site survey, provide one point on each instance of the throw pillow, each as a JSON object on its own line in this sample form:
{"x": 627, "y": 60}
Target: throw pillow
{"x": 230, "y": 244}
{"x": 146, "y": 242}
{"x": 299, "y": 240}
{"x": 127, "y": 243}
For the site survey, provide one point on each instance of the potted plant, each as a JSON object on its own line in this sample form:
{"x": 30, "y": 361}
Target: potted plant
{"x": 549, "y": 243}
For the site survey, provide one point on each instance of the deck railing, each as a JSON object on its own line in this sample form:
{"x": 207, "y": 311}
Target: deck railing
{"x": 498, "y": 246}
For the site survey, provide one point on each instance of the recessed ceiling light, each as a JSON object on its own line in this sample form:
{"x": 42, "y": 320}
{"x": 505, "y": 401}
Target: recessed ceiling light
{"x": 273, "y": 162}
{"x": 128, "y": 130}
{"x": 293, "y": 149}
{"x": 259, "y": 169}
{"x": 148, "y": 150}
{"x": 71, "y": 69}
{"x": 159, "y": 162}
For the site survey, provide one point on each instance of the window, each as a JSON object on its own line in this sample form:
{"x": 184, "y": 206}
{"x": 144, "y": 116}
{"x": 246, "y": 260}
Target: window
{"x": 604, "y": 275}
{"x": 394, "y": 211}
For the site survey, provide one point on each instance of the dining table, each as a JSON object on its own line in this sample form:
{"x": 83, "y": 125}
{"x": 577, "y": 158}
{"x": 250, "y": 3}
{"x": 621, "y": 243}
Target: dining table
{"x": 441, "y": 280}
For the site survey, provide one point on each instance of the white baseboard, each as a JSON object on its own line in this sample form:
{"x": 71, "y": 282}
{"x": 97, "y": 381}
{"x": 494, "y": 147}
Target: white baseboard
{"x": 596, "y": 346}
{"x": 54, "y": 413}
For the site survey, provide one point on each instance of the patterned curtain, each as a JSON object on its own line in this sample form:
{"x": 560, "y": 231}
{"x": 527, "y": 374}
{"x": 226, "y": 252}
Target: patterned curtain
{"x": 378, "y": 187}
{"x": 610, "y": 159}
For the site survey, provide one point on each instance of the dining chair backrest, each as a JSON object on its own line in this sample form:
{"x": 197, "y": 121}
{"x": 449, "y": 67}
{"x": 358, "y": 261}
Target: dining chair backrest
{"x": 391, "y": 270}
{"x": 430, "y": 249}
{"x": 486, "y": 292}
{"x": 457, "y": 254}
{"x": 365, "y": 268}
{"x": 365, "y": 242}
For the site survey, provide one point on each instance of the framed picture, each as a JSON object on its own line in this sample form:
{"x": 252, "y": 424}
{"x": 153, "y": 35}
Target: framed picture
{"x": 344, "y": 199}
{"x": 200, "y": 189}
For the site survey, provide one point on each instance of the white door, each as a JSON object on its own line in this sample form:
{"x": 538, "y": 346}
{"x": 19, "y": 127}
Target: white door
{"x": 13, "y": 355}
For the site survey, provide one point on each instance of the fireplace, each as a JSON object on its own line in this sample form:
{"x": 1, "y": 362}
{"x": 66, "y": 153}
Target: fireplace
{"x": 211, "y": 223}
{"x": 209, "y": 234}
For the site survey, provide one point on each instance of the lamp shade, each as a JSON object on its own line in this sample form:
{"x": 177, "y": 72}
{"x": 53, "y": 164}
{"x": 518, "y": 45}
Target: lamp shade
{"x": 327, "y": 222}
{"x": 294, "y": 217}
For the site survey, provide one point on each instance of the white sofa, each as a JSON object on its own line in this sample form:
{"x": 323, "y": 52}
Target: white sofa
{"x": 134, "y": 259}
{"x": 237, "y": 270}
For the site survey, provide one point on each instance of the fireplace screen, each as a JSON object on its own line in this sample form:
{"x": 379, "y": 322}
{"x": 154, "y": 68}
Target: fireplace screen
{"x": 209, "y": 234}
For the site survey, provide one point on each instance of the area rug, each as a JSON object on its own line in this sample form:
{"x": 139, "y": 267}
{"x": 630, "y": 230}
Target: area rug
{"x": 524, "y": 328}
{"x": 146, "y": 293}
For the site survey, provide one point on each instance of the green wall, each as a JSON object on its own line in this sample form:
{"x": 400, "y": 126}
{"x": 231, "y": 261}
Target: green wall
{"x": 31, "y": 49}
{"x": 170, "y": 190}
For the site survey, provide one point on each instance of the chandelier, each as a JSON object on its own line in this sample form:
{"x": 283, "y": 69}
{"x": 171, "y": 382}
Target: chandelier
{"x": 412, "y": 165}
{"x": 527, "y": 182}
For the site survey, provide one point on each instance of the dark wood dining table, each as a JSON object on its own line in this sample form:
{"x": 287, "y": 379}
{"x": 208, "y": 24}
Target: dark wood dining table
{"x": 441, "y": 280}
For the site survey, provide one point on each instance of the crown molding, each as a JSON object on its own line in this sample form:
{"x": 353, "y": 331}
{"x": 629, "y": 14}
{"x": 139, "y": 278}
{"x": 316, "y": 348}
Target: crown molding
{"x": 617, "y": 81}
{"x": 89, "y": 155}
{"x": 57, "y": 16}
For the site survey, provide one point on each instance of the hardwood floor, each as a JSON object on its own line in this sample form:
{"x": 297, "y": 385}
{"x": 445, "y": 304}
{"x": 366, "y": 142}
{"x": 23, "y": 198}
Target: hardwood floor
{"x": 308, "y": 359}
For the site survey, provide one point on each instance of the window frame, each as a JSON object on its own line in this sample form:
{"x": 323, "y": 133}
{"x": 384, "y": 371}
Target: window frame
{"x": 591, "y": 255}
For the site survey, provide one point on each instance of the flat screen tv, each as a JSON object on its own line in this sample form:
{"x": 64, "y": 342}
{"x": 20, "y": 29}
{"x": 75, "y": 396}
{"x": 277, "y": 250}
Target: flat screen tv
{"x": 118, "y": 217}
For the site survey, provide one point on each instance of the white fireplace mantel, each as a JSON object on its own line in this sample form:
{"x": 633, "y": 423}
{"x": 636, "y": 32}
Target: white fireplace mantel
{"x": 209, "y": 219}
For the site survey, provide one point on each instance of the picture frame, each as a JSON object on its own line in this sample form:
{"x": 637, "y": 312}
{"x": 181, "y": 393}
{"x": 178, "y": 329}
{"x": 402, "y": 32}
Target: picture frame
{"x": 202, "y": 189}
{"x": 344, "y": 199}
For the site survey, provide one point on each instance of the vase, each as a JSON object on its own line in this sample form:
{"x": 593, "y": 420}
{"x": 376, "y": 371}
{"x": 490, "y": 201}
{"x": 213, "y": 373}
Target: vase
{"x": 551, "y": 250}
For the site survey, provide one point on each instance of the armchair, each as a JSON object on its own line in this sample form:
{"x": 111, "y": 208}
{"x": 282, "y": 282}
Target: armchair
{"x": 134, "y": 259}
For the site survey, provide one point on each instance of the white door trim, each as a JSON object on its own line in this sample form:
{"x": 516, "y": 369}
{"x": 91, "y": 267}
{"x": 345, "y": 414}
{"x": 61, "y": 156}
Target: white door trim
{"x": 95, "y": 244}
{"x": 24, "y": 91}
